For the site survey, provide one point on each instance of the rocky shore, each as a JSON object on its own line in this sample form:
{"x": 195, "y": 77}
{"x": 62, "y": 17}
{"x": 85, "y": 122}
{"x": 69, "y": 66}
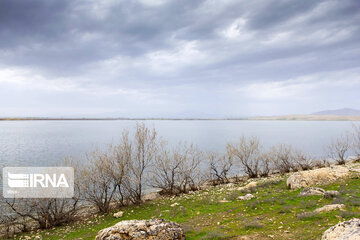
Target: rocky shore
{"x": 245, "y": 191}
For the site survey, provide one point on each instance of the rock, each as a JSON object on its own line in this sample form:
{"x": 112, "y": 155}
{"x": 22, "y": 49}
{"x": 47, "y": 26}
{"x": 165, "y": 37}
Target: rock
{"x": 310, "y": 191}
{"x": 316, "y": 177}
{"x": 331, "y": 207}
{"x": 142, "y": 229}
{"x": 246, "y": 197}
{"x": 348, "y": 230}
{"x": 247, "y": 187}
{"x": 151, "y": 196}
{"x": 174, "y": 204}
{"x": 118, "y": 214}
{"x": 331, "y": 194}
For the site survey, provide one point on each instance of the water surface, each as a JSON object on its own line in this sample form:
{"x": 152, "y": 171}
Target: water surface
{"x": 46, "y": 143}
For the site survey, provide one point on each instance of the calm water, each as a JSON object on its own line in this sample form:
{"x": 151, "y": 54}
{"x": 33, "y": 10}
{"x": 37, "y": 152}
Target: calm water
{"x": 46, "y": 143}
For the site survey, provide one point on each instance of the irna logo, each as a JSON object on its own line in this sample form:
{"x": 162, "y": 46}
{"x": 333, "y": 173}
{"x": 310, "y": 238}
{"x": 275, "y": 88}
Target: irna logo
{"x": 38, "y": 182}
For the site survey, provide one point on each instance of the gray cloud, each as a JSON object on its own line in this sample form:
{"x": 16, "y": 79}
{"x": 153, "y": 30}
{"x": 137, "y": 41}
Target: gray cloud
{"x": 186, "y": 55}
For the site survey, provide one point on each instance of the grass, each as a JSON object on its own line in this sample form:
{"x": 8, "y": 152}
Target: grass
{"x": 275, "y": 213}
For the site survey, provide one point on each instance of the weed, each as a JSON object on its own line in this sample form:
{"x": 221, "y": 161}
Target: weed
{"x": 349, "y": 214}
{"x": 306, "y": 216}
{"x": 216, "y": 234}
{"x": 253, "y": 225}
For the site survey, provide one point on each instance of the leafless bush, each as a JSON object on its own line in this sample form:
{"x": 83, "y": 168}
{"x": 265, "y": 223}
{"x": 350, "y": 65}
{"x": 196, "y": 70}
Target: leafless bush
{"x": 219, "y": 167}
{"x": 12, "y": 224}
{"x": 283, "y": 158}
{"x": 121, "y": 166}
{"x": 98, "y": 185}
{"x": 265, "y": 164}
{"x": 190, "y": 176}
{"x": 167, "y": 170}
{"x": 302, "y": 161}
{"x": 177, "y": 171}
{"x": 246, "y": 152}
{"x": 46, "y": 212}
{"x": 339, "y": 149}
{"x": 321, "y": 163}
{"x": 143, "y": 151}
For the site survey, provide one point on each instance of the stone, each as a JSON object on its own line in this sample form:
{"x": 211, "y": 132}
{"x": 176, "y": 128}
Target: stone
{"x": 331, "y": 207}
{"x": 118, "y": 214}
{"x": 347, "y": 230}
{"x": 174, "y": 204}
{"x": 331, "y": 194}
{"x": 143, "y": 229}
{"x": 319, "y": 176}
{"x": 246, "y": 197}
{"x": 247, "y": 186}
{"x": 310, "y": 191}
{"x": 151, "y": 196}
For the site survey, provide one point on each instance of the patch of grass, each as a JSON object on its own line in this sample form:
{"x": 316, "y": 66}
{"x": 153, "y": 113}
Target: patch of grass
{"x": 216, "y": 234}
{"x": 349, "y": 214}
{"x": 274, "y": 210}
{"x": 307, "y": 216}
{"x": 285, "y": 209}
{"x": 309, "y": 204}
{"x": 355, "y": 202}
{"x": 253, "y": 225}
{"x": 233, "y": 195}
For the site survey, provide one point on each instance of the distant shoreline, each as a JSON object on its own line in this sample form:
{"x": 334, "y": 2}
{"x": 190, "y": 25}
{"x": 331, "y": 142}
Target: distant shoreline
{"x": 260, "y": 118}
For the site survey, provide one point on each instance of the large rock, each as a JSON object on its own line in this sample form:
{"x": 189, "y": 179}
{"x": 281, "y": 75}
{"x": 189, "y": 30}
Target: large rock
{"x": 247, "y": 187}
{"x": 331, "y": 194}
{"x": 246, "y": 197}
{"x": 310, "y": 191}
{"x": 159, "y": 229}
{"x": 118, "y": 214}
{"x": 330, "y": 207}
{"x": 348, "y": 230}
{"x": 316, "y": 177}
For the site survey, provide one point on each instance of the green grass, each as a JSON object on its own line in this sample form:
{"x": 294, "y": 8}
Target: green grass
{"x": 275, "y": 213}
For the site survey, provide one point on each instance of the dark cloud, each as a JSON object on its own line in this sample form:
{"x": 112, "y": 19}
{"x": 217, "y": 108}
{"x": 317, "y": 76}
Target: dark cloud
{"x": 160, "y": 46}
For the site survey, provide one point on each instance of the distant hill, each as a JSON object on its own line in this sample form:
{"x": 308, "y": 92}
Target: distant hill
{"x": 339, "y": 112}
{"x": 344, "y": 114}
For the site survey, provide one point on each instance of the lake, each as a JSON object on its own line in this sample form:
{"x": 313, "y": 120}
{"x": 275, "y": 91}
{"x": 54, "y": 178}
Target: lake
{"x": 46, "y": 143}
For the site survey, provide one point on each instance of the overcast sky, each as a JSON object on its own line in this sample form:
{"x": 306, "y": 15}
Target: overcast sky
{"x": 163, "y": 58}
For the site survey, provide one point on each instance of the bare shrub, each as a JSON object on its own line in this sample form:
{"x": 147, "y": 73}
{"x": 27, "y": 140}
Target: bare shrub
{"x": 283, "y": 158}
{"x": 142, "y": 152}
{"x": 265, "y": 164}
{"x": 46, "y": 212}
{"x": 120, "y": 167}
{"x": 178, "y": 170}
{"x": 302, "y": 161}
{"x": 246, "y": 152}
{"x": 98, "y": 185}
{"x": 219, "y": 167}
{"x": 321, "y": 163}
{"x": 167, "y": 170}
{"x": 10, "y": 224}
{"x": 339, "y": 149}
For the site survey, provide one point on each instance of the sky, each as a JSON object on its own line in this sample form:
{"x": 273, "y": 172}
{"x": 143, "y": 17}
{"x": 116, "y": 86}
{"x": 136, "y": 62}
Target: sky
{"x": 163, "y": 58}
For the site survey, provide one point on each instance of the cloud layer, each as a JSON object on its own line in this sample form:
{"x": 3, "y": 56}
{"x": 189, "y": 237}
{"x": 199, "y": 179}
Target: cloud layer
{"x": 163, "y": 58}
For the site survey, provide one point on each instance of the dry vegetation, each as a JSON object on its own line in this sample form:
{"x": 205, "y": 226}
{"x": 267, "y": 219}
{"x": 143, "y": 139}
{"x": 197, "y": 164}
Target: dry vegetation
{"x": 120, "y": 174}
